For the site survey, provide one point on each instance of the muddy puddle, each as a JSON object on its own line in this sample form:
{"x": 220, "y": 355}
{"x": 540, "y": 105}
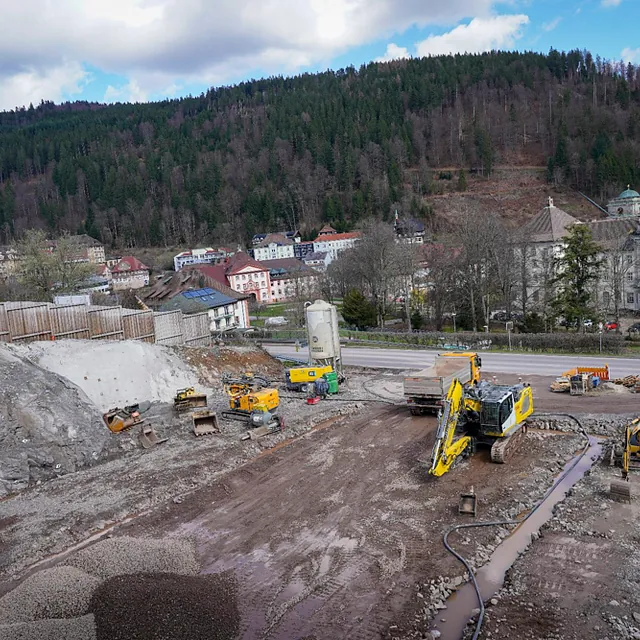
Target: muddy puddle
{"x": 491, "y": 576}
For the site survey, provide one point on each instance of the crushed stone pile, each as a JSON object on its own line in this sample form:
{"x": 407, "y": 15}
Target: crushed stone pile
{"x": 114, "y": 372}
{"x": 48, "y": 426}
{"x": 72, "y": 629}
{"x": 167, "y": 607}
{"x": 123, "y": 555}
{"x": 59, "y": 592}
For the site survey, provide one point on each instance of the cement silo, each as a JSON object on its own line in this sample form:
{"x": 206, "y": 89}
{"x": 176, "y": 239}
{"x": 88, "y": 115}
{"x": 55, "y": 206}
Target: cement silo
{"x": 323, "y": 334}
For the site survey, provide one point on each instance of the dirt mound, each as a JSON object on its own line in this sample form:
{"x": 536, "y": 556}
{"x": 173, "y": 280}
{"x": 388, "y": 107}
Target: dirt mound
{"x": 114, "y": 373}
{"x": 167, "y": 607}
{"x": 48, "y": 426}
{"x": 72, "y": 629}
{"x": 210, "y": 364}
{"x": 59, "y": 592}
{"x": 124, "y": 555}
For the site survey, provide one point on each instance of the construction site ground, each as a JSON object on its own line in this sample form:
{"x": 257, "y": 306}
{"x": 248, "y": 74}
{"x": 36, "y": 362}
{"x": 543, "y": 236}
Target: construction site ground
{"x": 333, "y": 529}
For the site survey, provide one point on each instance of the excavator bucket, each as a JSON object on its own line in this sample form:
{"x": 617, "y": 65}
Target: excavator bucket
{"x": 149, "y": 438}
{"x": 119, "y": 420}
{"x": 467, "y": 504}
{"x": 205, "y": 423}
{"x": 620, "y": 490}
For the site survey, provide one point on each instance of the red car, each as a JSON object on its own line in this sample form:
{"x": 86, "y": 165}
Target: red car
{"x": 611, "y": 326}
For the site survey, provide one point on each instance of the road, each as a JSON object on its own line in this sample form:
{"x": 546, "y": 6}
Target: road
{"x": 518, "y": 363}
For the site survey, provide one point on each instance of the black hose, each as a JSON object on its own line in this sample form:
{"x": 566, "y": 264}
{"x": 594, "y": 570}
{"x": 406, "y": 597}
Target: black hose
{"x": 518, "y": 521}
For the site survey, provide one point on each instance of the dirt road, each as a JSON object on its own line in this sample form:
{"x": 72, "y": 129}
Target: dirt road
{"x": 334, "y": 535}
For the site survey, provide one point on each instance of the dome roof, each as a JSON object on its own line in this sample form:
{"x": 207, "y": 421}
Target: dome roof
{"x": 629, "y": 193}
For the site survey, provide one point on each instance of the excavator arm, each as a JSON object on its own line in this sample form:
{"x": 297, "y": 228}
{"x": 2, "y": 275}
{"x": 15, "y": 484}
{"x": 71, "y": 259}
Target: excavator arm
{"x": 446, "y": 449}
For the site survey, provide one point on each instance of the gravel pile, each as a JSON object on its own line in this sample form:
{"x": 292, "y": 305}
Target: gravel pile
{"x": 123, "y": 555}
{"x": 167, "y": 607}
{"x": 59, "y": 592}
{"x": 73, "y": 629}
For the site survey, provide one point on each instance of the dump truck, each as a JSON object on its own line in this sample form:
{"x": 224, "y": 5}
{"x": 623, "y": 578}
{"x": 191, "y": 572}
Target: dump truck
{"x": 425, "y": 390}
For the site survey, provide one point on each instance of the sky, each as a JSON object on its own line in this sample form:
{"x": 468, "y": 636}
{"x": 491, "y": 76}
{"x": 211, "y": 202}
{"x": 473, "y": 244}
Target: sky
{"x": 144, "y": 50}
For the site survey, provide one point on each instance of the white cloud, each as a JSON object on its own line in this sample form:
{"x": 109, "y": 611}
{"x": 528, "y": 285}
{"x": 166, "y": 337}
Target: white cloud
{"x": 610, "y": 3}
{"x": 32, "y": 85}
{"x": 158, "y": 43}
{"x": 552, "y": 24}
{"x": 630, "y": 55}
{"x": 130, "y": 92}
{"x": 394, "y": 52}
{"x": 481, "y": 34}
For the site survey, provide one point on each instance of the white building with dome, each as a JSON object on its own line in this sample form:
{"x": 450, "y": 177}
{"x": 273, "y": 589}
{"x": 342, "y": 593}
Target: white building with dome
{"x": 626, "y": 204}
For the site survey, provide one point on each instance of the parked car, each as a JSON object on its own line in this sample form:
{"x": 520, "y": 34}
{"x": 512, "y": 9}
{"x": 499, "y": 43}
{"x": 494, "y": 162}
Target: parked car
{"x": 634, "y": 328}
{"x": 611, "y": 326}
{"x": 588, "y": 323}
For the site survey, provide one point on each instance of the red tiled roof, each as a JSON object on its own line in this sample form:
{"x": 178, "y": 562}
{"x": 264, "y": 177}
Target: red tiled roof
{"x": 338, "y": 236}
{"x": 241, "y": 260}
{"x": 214, "y": 271}
{"x": 129, "y": 264}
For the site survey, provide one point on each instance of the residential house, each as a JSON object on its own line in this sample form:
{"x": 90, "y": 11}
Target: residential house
{"x": 626, "y": 204}
{"x": 129, "y": 273}
{"x": 334, "y": 243}
{"x": 302, "y": 249}
{"x": 201, "y": 256}
{"x": 294, "y": 236}
{"x": 92, "y": 250}
{"x": 203, "y": 276}
{"x": 9, "y": 260}
{"x": 221, "y": 308}
{"x": 319, "y": 260}
{"x": 290, "y": 278}
{"x": 273, "y": 247}
{"x": 112, "y": 261}
{"x": 248, "y": 276}
{"x": 543, "y": 240}
{"x": 409, "y": 230}
{"x": 327, "y": 230}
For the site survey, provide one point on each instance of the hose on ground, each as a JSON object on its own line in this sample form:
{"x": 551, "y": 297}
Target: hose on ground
{"x": 518, "y": 521}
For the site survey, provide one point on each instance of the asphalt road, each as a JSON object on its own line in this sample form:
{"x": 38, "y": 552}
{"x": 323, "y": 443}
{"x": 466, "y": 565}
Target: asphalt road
{"x": 522, "y": 364}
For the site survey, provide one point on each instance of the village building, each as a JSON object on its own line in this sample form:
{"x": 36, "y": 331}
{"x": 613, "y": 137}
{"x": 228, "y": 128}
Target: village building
{"x": 200, "y": 256}
{"x": 319, "y": 260}
{"x": 129, "y": 273}
{"x": 626, "y": 204}
{"x": 248, "y": 276}
{"x": 274, "y": 246}
{"x": 334, "y": 243}
{"x": 90, "y": 249}
{"x": 542, "y": 244}
{"x": 199, "y": 277}
{"x": 290, "y": 278}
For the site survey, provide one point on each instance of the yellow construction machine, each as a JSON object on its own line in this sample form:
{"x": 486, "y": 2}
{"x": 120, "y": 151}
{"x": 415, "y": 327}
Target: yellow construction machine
{"x": 189, "y": 399}
{"x": 247, "y": 396}
{"x": 118, "y": 419}
{"x": 486, "y": 414}
{"x": 630, "y": 460}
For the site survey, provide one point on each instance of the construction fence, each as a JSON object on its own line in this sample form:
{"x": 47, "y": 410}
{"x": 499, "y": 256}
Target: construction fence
{"x": 22, "y": 322}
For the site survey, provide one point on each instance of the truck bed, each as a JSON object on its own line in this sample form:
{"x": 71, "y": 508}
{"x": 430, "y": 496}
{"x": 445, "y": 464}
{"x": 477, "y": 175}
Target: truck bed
{"x": 436, "y": 380}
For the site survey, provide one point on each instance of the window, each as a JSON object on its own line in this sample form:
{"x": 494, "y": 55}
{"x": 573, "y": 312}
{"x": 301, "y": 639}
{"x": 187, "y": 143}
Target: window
{"x": 630, "y": 298}
{"x": 629, "y": 258}
{"x": 630, "y": 276}
{"x": 536, "y": 296}
{"x": 606, "y": 297}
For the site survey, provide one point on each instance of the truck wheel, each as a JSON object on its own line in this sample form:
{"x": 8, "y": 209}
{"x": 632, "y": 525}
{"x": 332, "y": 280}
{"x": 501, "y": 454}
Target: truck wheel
{"x": 415, "y": 411}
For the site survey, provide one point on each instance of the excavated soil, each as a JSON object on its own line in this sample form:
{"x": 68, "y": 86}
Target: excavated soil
{"x": 167, "y": 607}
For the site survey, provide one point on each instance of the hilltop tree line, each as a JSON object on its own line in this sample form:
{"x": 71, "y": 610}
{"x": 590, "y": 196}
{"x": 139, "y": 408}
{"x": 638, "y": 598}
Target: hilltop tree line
{"x": 337, "y": 147}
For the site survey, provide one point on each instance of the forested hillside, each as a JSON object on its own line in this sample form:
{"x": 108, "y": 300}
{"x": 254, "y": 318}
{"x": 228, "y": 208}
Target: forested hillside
{"x": 336, "y": 146}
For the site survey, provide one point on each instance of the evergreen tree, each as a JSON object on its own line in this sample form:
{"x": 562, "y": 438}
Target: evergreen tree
{"x": 357, "y": 311}
{"x": 577, "y": 269}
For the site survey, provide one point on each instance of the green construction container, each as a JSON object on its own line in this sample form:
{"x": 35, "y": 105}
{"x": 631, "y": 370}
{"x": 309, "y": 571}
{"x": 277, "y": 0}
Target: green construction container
{"x": 332, "y": 381}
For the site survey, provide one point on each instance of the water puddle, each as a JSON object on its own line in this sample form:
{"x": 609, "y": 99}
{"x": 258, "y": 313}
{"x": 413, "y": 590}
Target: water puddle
{"x": 490, "y": 577}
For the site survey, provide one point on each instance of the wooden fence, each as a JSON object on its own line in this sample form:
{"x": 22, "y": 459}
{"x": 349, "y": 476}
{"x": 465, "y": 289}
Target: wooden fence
{"x": 22, "y": 322}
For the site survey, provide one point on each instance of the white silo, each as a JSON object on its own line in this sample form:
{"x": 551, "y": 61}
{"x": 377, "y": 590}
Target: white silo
{"x": 323, "y": 334}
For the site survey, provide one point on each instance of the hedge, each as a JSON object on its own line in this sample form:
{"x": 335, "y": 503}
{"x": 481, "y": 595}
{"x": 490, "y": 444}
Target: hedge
{"x": 558, "y": 342}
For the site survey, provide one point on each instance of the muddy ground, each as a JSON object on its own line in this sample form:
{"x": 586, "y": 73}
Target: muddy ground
{"x": 333, "y": 528}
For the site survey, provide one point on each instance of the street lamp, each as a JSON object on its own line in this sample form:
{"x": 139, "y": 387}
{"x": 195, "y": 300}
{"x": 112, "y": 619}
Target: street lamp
{"x": 453, "y": 315}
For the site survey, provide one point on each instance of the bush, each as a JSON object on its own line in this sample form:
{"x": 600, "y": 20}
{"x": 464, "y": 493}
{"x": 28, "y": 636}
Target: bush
{"x": 541, "y": 342}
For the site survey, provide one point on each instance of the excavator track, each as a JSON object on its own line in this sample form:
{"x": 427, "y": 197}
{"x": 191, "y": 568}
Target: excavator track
{"x": 503, "y": 448}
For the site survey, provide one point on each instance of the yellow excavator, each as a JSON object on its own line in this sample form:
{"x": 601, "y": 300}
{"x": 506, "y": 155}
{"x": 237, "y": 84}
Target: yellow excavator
{"x": 248, "y": 400}
{"x": 630, "y": 460}
{"x": 487, "y": 414}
